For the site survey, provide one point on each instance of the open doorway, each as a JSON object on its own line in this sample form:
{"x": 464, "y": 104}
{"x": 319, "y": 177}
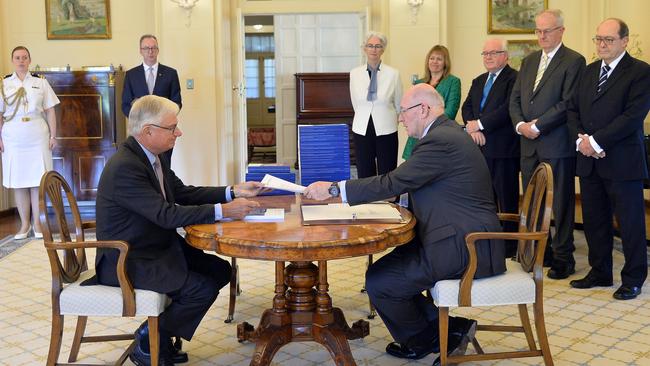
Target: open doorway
{"x": 259, "y": 72}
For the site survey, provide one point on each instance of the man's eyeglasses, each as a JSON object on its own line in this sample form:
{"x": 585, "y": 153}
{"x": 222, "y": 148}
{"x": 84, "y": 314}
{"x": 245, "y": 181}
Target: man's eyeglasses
{"x": 403, "y": 110}
{"x": 170, "y": 129}
{"x": 491, "y": 53}
{"x": 375, "y": 46}
{"x": 544, "y": 32}
{"x": 607, "y": 40}
{"x": 149, "y": 49}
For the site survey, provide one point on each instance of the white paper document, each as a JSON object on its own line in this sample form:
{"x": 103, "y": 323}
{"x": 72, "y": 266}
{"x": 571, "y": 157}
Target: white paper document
{"x": 266, "y": 215}
{"x": 342, "y": 211}
{"x": 270, "y": 181}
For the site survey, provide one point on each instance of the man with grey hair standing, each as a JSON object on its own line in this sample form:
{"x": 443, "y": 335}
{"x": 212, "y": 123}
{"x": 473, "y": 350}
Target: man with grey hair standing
{"x": 449, "y": 182}
{"x": 141, "y": 201}
{"x": 606, "y": 118}
{"x": 485, "y": 112}
{"x": 544, "y": 86}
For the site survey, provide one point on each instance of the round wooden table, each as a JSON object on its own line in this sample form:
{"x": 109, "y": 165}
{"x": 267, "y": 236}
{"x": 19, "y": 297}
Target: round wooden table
{"x": 302, "y": 308}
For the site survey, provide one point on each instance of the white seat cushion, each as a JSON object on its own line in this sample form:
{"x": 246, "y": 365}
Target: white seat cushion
{"x": 99, "y": 300}
{"x": 515, "y": 286}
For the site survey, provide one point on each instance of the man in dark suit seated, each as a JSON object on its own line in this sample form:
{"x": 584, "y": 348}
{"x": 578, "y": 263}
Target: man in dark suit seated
{"x": 449, "y": 184}
{"x": 606, "y": 119}
{"x": 150, "y": 78}
{"x": 141, "y": 201}
{"x": 544, "y": 86}
{"x": 485, "y": 112}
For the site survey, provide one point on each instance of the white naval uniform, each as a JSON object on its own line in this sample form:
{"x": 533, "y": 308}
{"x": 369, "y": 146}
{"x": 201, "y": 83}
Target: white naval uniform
{"x": 27, "y": 155}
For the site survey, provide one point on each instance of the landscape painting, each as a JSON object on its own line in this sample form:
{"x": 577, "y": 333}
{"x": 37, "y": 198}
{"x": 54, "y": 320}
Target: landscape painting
{"x": 513, "y": 16}
{"x": 519, "y": 49}
{"x": 78, "y": 19}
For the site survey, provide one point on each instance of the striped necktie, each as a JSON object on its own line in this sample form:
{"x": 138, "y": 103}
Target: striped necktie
{"x": 603, "y": 78}
{"x": 540, "y": 71}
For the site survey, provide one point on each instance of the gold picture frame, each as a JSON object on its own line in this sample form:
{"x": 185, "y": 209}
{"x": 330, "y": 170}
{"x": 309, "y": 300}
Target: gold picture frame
{"x": 520, "y": 48}
{"x": 513, "y": 16}
{"x": 78, "y": 19}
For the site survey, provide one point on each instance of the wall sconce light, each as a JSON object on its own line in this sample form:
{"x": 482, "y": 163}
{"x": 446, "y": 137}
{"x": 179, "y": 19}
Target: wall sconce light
{"x": 415, "y": 7}
{"x": 188, "y": 5}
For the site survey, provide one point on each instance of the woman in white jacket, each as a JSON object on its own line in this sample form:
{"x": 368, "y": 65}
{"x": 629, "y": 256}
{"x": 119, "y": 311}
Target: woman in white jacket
{"x": 376, "y": 91}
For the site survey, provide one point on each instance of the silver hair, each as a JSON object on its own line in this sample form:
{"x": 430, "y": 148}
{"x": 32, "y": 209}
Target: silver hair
{"x": 382, "y": 38}
{"x": 502, "y": 42}
{"x": 557, "y": 13}
{"x": 149, "y": 109}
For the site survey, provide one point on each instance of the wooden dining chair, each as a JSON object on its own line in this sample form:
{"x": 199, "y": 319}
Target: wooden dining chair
{"x": 67, "y": 256}
{"x": 520, "y": 285}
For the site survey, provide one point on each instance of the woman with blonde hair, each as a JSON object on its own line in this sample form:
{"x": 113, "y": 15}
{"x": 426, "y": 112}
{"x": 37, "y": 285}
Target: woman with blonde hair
{"x": 437, "y": 73}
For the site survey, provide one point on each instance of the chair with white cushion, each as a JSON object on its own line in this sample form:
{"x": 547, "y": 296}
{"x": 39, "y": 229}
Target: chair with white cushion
{"x": 520, "y": 285}
{"x": 69, "y": 268}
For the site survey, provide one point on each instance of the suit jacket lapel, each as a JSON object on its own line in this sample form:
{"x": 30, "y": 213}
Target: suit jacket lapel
{"x": 133, "y": 145}
{"x": 498, "y": 83}
{"x": 616, "y": 74}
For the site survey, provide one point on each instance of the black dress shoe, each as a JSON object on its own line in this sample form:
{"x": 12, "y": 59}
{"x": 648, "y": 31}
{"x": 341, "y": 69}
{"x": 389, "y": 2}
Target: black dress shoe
{"x": 412, "y": 353}
{"x": 627, "y": 292}
{"x": 561, "y": 270}
{"x": 459, "y": 337}
{"x": 170, "y": 349}
{"x": 142, "y": 358}
{"x": 591, "y": 280}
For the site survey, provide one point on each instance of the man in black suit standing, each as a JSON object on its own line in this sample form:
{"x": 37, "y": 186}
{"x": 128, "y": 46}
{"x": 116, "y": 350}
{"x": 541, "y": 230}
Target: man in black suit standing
{"x": 150, "y": 78}
{"x": 487, "y": 120}
{"x": 538, "y": 103}
{"x": 448, "y": 181}
{"x": 141, "y": 201}
{"x": 606, "y": 117}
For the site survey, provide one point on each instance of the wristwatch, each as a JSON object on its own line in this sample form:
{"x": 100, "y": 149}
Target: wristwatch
{"x": 334, "y": 190}
{"x": 232, "y": 192}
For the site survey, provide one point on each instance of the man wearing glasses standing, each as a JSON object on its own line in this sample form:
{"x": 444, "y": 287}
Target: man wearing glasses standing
{"x": 485, "y": 112}
{"x": 538, "y": 104}
{"x": 151, "y": 77}
{"x": 606, "y": 120}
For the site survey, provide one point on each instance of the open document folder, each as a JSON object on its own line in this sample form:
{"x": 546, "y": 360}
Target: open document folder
{"x": 270, "y": 181}
{"x": 342, "y": 213}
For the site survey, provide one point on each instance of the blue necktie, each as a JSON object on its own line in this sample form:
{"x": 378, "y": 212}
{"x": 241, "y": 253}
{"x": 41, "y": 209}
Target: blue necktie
{"x": 486, "y": 90}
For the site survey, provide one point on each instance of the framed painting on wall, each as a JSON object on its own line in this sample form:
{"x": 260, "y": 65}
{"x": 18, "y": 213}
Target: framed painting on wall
{"x": 78, "y": 19}
{"x": 518, "y": 49}
{"x": 513, "y": 16}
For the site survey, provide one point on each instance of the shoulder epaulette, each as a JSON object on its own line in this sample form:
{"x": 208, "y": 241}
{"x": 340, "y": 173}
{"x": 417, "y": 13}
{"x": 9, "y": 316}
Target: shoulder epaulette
{"x": 7, "y": 76}
{"x": 38, "y": 75}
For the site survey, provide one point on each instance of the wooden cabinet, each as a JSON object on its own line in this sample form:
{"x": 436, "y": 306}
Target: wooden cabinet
{"x": 324, "y": 98}
{"x": 90, "y": 125}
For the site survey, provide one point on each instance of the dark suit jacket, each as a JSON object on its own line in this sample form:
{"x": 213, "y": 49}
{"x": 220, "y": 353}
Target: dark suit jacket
{"x": 131, "y": 207}
{"x": 548, "y": 103}
{"x": 448, "y": 181}
{"x": 614, "y": 117}
{"x": 135, "y": 86}
{"x": 501, "y": 140}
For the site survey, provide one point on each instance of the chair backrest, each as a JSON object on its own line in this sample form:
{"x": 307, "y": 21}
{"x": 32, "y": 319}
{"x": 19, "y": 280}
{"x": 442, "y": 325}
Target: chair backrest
{"x": 55, "y": 190}
{"x": 535, "y": 215}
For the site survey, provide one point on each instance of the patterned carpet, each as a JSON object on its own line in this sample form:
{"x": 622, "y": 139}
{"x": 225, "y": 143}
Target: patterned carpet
{"x": 586, "y": 327}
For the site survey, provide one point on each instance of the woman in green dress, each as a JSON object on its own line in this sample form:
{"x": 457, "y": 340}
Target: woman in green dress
{"x": 437, "y": 69}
